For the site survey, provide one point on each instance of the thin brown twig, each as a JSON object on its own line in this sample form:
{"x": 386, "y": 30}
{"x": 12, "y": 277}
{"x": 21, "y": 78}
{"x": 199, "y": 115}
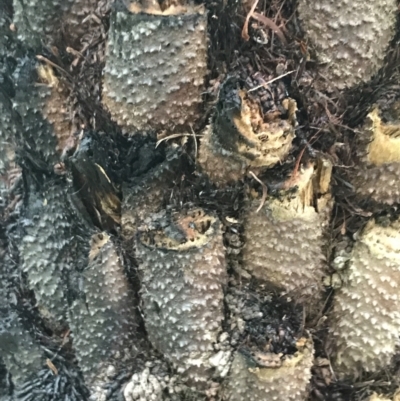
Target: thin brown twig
{"x": 264, "y": 188}
{"x": 47, "y": 61}
{"x": 172, "y": 136}
{"x": 271, "y": 25}
{"x": 195, "y": 143}
{"x": 270, "y": 81}
{"x": 245, "y": 30}
{"x": 298, "y": 160}
{"x": 51, "y": 366}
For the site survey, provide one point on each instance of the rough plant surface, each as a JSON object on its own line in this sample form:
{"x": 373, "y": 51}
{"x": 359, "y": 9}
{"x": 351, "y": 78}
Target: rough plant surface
{"x": 199, "y": 201}
{"x": 183, "y": 275}
{"x": 244, "y": 135}
{"x": 378, "y": 151}
{"x": 280, "y": 246}
{"x": 286, "y": 380}
{"x": 155, "y": 69}
{"x": 350, "y": 37}
{"x": 38, "y": 20}
{"x": 105, "y": 305}
{"x": 365, "y": 312}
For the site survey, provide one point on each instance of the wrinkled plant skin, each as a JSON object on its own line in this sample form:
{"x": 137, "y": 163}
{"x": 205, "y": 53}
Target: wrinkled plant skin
{"x": 188, "y": 215}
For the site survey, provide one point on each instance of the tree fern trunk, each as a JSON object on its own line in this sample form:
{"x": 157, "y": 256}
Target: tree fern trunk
{"x": 199, "y": 200}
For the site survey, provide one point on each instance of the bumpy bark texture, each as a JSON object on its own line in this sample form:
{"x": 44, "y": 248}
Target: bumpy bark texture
{"x": 49, "y": 252}
{"x": 155, "y": 70}
{"x": 350, "y": 37}
{"x": 285, "y": 381}
{"x": 19, "y": 351}
{"x": 45, "y": 121}
{"x": 366, "y": 317}
{"x": 284, "y": 239}
{"x": 183, "y": 274}
{"x": 9, "y": 170}
{"x": 102, "y": 316}
{"x": 378, "y": 153}
{"x": 38, "y": 21}
{"x": 166, "y": 214}
{"x": 243, "y": 135}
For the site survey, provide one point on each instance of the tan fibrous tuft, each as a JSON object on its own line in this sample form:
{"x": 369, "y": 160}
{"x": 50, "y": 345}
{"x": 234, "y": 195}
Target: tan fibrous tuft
{"x": 377, "y": 397}
{"x": 287, "y": 381}
{"x": 284, "y": 237}
{"x": 56, "y": 108}
{"x": 241, "y": 136}
{"x": 42, "y": 101}
{"x": 350, "y": 38}
{"x": 183, "y": 274}
{"x": 155, "y": 69}
{"x": 377, "y": 173}
{"x": 366, "y": 318}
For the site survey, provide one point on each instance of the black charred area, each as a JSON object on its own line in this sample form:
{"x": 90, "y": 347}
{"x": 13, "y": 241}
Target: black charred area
{"x": 98, "y": 159}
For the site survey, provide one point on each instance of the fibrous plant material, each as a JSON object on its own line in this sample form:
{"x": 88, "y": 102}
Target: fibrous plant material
{"x": 183, "y": 274}
{"x": 365, "y": 317}
{"x": 57, "y": 380}
{"x": 19, "y": 352}
{"x": 41, "y": 21}
{"x": 243, "y": 134}
{"x": 103, "y": 317}
{"x": 282, "y": 380}
{"x": 146, "y": 194}
{"x": 155, "y": 68}
{"x": 350, "y": 38}
{"x": 262, "y": 324}
{"x": 377, "y": 174}
{"x": 377, "y": 397}
{"x": 42, "y": 102}
{"x": 94, "y": 187}
{"x": 284, "y": 237}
